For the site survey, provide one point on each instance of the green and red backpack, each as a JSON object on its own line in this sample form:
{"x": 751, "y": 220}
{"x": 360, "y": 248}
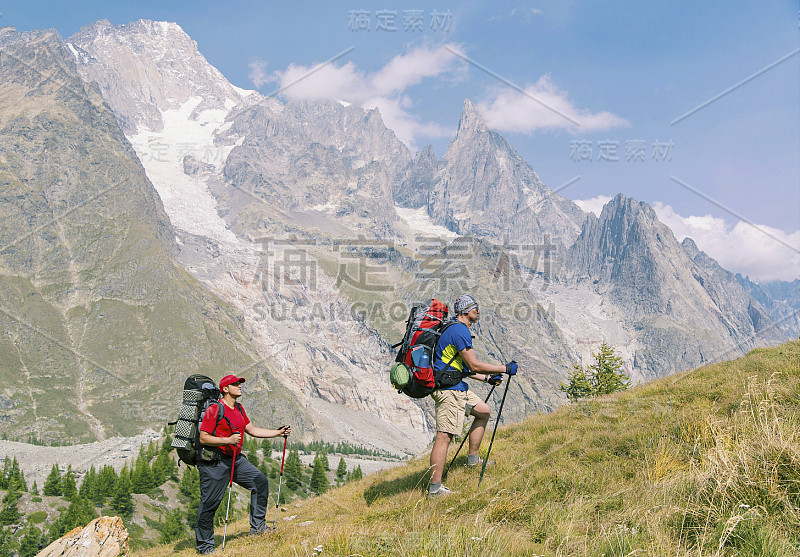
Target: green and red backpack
{"x": 412, "y": 372}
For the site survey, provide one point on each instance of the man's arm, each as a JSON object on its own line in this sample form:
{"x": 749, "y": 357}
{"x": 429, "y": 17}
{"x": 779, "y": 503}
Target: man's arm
{"x": 262, "y": 432}
{"x": 212, "y": 441}
{"x": 474, "y": 364}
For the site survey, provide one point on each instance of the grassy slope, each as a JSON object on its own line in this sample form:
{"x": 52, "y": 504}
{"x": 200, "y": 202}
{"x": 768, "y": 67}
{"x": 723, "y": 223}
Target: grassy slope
{"x": 699, "y": 463}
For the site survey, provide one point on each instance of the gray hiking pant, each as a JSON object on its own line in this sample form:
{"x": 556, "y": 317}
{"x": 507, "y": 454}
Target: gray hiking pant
{"x": 214, "y": 479}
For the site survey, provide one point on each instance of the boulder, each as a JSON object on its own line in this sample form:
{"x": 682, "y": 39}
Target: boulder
{"x": 102, "y": 537}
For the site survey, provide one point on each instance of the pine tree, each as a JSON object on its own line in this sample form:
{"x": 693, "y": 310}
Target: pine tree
{"x": 6, "y": 543}
{"x": 323, "y": 456}
{"x": 10, "y": 513}
{"x": 163, "y": 469}
{"x": 266, "y": 448}
{"x": 29, "y": 544}
{"x": 293, "y": 471}
{"x": 604, "y": 376}
{"x": 123, "y": 500}
{"x": 319, "y": 481}
{"x": 6, "y": 475}
{"x": 356, "y": 474}
{"x": 607, "y": 374}
{"x": 173, "y": 528}
{"x": 190, "y": 483}
{"x": 190, "y": 487}
{"x": 68, "y": 488}
{"x": 89, "y": 485}
{"x": 579, "y": 384}
{"x": 166, "y": 444}
{"x": 142, "y": 475}
{"x": 34, "y": 488}
{"x": 150, "y": 452}
{"x": 16, "y": 479}
{"x": 341, "y": 470}
{"x": 52, "y": 485}
{"x": 105, "y": 484}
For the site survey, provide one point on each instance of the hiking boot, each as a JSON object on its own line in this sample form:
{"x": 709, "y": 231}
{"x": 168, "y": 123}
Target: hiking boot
{"x": 479, "y": 462}
{"x": 441, "y": 492}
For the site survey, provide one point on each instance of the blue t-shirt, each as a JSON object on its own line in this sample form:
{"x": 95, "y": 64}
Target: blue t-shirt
{"x": 455, "y": 339}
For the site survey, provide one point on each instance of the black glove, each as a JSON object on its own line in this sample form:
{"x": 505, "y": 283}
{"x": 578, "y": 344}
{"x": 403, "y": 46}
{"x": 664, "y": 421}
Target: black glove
{"x": 495, "y": 379}
{"x": 511, "y": 368}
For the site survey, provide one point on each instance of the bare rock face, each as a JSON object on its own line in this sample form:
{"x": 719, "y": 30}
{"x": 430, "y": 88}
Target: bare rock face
{"x": 682, "y": 308}
{"x": 318, "y": 156}
{"x": 413, "y": 191}
{"x": 102, "y": 537}
{"x": 484, "y": 188}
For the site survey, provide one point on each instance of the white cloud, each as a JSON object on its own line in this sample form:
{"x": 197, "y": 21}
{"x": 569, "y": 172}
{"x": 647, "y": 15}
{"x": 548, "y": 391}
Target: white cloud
{"x": 760, "y": 253}
{"x": 593, "y": 205}
{"x": 523, "y": 14}
{"x": 542, "y": 106}
{"x": 257, "y": 73}
{"x": 383, "y": 89}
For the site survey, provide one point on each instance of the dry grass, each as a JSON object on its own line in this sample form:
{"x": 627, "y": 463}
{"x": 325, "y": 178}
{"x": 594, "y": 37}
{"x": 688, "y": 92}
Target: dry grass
{"x": 705, "y": 463}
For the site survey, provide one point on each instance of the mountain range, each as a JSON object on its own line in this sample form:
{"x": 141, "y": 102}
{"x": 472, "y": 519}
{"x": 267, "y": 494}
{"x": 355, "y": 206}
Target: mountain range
{"x": 160, "y": 221}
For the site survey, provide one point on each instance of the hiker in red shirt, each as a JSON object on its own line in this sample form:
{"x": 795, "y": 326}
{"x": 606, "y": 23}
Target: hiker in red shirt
{"x": 225, "y": 434}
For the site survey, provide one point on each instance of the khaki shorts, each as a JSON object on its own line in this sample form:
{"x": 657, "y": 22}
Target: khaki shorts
{"x": 451, "y": 408}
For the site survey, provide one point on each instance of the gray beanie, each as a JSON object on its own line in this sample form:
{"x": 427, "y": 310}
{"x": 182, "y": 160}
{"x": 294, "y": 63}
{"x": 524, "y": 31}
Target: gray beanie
{"x": 464, "y": 304}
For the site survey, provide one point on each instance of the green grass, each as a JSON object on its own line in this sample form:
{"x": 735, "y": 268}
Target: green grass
{"x": 699, "y": 463}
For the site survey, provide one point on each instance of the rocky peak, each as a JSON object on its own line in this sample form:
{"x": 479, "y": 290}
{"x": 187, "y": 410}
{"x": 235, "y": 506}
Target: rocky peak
{"x": 626, "y": 234}
{"x": 147, "y": 67}
{"x": 471, "y": 122}
{"x": 690, "y": 247}
{"x": 485, "y": 188}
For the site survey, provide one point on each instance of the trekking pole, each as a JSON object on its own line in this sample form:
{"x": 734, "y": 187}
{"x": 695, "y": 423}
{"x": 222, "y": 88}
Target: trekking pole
{"x": 230, "y": 486}
{"x": 496, "y": 423}
{"x": 280, "y": 482}
{"x": 444, "y": 475}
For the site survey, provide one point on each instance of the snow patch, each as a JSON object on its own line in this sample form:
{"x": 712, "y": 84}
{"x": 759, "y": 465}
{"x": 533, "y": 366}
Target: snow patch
{"x": 187, "y": 199}
{"x": 326, "y": 208}
{"x": 419, "y": 221}
{"x": 243, "y": 92}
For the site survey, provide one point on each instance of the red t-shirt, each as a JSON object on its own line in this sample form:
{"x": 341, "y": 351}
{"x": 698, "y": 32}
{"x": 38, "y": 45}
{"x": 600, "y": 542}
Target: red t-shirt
{"x": 238, "y": 419}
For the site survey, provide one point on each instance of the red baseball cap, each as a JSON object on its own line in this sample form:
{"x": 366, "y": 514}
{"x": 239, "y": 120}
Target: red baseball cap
{"x": 230, "y": 380}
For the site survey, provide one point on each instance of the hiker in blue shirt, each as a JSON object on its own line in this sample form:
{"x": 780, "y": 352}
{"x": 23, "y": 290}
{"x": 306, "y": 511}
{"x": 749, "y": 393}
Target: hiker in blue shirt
{"x": 455, "y": 360}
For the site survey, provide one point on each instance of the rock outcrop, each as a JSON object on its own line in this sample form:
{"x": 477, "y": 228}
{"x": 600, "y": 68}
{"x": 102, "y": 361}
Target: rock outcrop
{"x": 102, "y": 537}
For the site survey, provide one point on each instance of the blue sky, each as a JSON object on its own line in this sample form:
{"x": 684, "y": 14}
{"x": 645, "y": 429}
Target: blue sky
{"x": 728, "y": 174}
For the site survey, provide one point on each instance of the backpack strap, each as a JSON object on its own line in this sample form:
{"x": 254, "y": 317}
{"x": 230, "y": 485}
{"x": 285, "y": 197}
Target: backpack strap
{"x": 438, "y": 375}
{"x": 221, "y": 416}
{"x": 439, "y": 334}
